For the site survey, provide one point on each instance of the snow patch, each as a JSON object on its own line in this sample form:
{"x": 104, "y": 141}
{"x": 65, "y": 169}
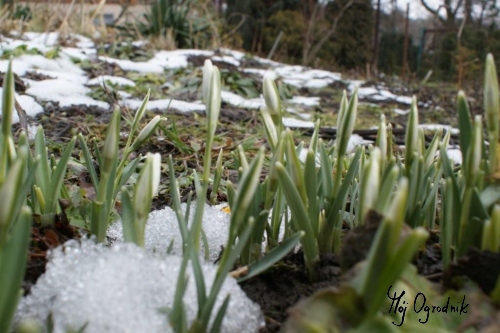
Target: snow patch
{"x": 124, "y": 289}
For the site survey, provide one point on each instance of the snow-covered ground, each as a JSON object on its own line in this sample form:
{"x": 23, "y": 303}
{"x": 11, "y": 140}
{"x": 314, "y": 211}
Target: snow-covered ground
{"x": 69, "y": 85}
{"x": 124, "y": 288}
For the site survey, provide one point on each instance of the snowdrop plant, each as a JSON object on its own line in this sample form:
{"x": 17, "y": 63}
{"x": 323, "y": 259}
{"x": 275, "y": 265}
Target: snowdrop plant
{"x": 136, "y": 207}
{"x": 191, "y": 234}
{"x": 423, "y": 169}
{"x": 242, "y": 224}
{"x": 391, "y": 251}
{"x": 315, "y": 195}
{"x": 114, "y": 171}
{"x": 470, "y": 206}
{"x": 15, "y": 215}
{"x": 267, "y": 197}
{"x": 49, "y": 176}
{"x": 273, "y": 101}
{"x": 357, "y": 303}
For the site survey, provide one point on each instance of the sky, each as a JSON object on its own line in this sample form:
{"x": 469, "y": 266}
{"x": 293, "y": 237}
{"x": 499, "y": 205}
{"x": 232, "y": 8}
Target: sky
{"x": 416, "y": 8}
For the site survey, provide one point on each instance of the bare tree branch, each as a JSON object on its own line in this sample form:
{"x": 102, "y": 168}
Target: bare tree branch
{"x": 123, "y": 9}
{"x": 459, "y": 4}
{"x": 310, "y": 51}
{"x": 434, "y": 12}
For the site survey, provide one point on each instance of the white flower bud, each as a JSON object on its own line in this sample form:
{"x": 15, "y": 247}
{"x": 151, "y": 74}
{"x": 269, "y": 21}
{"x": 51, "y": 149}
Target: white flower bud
{"x": 271, "y": 95}
{"x": 208, "y": 69}
{"x": 156, "y": 160}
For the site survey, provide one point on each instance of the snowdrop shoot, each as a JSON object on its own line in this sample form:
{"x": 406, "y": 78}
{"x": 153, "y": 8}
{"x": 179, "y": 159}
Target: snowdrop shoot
{"x": 15, "y": 215}
{"x": 156, "y": 165}
{"x": 135, "y": 210}
{"x": 207, "y": 70}
{"x": 370, "y": 184}
{"x": 272, "y": 99}
{"x": 491, "y": 109}
{"x": 146, "y": 132}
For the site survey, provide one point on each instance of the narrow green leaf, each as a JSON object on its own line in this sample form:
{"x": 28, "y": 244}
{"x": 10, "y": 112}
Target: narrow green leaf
{"x": 97, "y": 153}
{"x": 88, "y": 161}
{"x": 127, "y": 172}
{"x": 326, "y": 172}
{"x": 176, "y": 202}
{"x": 199, "y": 280}
{"x": 8, "y": 96}
{"x": 217, "y": 324}
{"x": 300, "y": 218}
{"x": 139, "y": 114}
{"x": 43, "y": 172}
{"x": 311, "y": 190}
{"x": 12, "y": 195}
{"x": 13, "y": 258}
{"x": 275, "y": 255}
{"x": 247, "y": 187}
{"x": 223, "y": 269}
{"x": 57, "y": 177}
{"x": 129, "y": 230}
{"x": 313, "y": 144}
{"x": 464, "y": 123}
{"x": 411, "y": 134}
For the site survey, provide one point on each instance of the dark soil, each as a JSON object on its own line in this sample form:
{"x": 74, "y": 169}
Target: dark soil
{"x": 286, "y": 284}
{"x": 43, "y": 239}
{"x": 482, "y": 267}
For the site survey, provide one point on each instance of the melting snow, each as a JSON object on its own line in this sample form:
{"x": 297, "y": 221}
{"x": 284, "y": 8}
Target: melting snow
{"x": 28, "y": 104}
{"x": 116, "y": 80}
{"x": 162, "y": 228}
{"x": 66, "y": 93}
{"x": 376, "y": 93}
{"x": 436, "y": 127}
{"x": 160, "y": 61}
{"x": 129, "y": 65}
{"x": 455, "y": 155}
{"x": 227, "y": 59}
{"x": 164, "y": 104}
{"x": 401, "y": 112}
{"x": 237, "y": 100}
{"x": 354, "y": 141}
{"x": 307, "y": 101}
{"x": 305, "y": 116}
{"x": 124, "y": 289}
{"x": 297, "y": 123}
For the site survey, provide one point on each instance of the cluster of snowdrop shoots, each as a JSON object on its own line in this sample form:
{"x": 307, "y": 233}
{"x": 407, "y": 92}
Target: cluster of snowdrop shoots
{"x": 121, "y": 287}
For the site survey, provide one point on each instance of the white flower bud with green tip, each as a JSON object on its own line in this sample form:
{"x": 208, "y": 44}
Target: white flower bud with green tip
{"x": 270, "y": 128}
{"x": 492, "y": 109}
{"x": 271, "y": 96}
{"x": 208, "y": 70}
{"x": 411, "y": 139}
{"x": 396, "y": 211}
{"x": 10, "y": 192}
{"x": 110, "y": 150}
{"x": 146, "y": 186}
{"x": 146, "y": 132}
{"x": 156, "y": 157}
{"x": 491, "y": 231}
{"x": 491, "y": 102}
{"x": 382, "y": 138}
{"x": 370, "y": 182}
{"x": 12, "y": 148}
{"x": 474, "y": 153}
{"x": 213, "y": 98}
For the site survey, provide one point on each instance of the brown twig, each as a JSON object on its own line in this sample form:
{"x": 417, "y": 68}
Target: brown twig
{"x": 23, "y": 118}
